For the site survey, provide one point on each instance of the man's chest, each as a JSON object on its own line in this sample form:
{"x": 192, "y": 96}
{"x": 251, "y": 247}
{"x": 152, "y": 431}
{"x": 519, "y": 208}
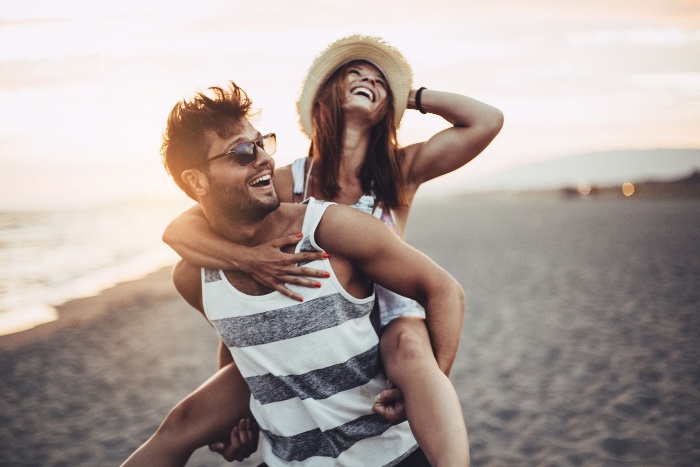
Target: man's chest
{"x": 246, "y": 284}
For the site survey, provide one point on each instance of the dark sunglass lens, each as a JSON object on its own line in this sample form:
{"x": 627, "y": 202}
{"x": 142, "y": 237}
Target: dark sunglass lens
{"x": 245, "y": 153}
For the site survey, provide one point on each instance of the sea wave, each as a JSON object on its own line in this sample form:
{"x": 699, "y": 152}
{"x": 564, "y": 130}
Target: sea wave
{"x": 49, "y": 257}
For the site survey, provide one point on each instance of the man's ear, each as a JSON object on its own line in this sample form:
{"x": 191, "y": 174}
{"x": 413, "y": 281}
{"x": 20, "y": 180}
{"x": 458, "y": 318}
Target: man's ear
{"x": 196, "y": 180}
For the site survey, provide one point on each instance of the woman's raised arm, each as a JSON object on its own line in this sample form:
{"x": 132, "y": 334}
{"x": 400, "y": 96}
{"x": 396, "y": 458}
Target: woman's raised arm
{"x": 475, "y": 125}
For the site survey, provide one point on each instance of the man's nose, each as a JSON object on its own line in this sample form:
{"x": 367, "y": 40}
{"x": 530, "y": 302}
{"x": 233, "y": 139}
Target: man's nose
{"x": 262, "y": 158}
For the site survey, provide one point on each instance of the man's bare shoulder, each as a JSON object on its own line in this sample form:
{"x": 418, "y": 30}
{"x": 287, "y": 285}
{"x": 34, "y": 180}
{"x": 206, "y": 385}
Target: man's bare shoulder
{"x": 187, "y": 281}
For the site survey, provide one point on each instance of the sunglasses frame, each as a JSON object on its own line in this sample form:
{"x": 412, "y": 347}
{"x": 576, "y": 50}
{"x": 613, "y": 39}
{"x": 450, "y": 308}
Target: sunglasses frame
{"x": 257, "y": 143}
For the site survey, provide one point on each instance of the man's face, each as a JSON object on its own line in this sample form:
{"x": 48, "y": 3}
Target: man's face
{"x": 245, "y": 192}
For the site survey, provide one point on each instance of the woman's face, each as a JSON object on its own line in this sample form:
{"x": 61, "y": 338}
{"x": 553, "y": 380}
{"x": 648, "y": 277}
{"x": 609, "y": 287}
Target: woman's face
{"x": 366, "y": 88}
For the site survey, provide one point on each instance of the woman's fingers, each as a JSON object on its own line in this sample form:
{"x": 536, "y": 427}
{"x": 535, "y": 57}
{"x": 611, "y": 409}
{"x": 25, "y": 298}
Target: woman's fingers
{"x": 287, "y": 240}
{"x": 282, "y": 288}
{"x": 311, "y": 272}
{"x": 300, "y": 257}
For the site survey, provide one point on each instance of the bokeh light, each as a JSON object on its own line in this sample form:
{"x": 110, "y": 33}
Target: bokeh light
{"x": 627, "y": 189}
{"x": 584, "y": 187}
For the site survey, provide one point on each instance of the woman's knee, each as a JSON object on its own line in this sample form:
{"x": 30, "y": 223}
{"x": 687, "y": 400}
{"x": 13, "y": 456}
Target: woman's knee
{"x": 405, "y": 344}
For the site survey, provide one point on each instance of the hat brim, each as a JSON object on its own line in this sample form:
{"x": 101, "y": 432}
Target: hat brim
{"x": 374, "y": 50}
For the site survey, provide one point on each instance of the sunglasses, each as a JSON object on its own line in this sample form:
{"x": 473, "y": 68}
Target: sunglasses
{"x": 246, "y": 153}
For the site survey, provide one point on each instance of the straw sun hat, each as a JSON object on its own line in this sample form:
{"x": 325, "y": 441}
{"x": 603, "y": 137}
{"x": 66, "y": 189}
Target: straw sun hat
{"x": 374, "y": 50}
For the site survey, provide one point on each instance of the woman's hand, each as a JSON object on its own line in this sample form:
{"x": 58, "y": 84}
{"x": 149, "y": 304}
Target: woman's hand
{"x": 269, "y": 265}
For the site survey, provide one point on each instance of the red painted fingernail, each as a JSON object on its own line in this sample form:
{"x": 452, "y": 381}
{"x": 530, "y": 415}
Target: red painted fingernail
{"x": 318, "y": 284}
{"x": 299, "y": 235}
{"x": 326, "y": 274}
{"x": 325, "y": 256}
{"x": 301, "y": 299}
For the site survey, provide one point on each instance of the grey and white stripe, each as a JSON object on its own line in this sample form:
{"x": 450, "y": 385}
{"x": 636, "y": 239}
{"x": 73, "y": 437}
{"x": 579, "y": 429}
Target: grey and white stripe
{"x": 330, "y": 443}
{"x": 313, "y": 368}
{"x": 289, "y": 322}
{"x": 317, "y": 384}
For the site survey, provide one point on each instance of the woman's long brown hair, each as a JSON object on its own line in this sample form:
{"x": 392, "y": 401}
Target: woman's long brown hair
{"x": 380, "y": 173}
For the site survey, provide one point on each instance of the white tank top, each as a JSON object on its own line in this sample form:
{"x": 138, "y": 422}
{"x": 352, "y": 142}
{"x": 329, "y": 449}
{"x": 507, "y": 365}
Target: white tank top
{"x": 313, "y": 367}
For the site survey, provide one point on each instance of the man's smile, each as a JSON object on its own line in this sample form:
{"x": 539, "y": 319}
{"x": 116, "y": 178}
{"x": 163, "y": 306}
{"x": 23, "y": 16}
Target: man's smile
{"x": 262, "y": 181}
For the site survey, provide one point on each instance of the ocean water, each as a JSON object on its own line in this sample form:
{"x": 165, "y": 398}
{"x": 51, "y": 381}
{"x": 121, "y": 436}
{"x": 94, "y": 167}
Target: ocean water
{"x": 49, "y": 257}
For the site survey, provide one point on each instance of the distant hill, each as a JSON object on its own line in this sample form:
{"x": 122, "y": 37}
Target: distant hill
{"x": 685, "y": 187}
{"x": 599, "y": 168}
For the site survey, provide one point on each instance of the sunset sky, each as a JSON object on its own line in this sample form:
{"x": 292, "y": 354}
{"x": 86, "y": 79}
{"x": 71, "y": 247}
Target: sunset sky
{"x": 85, "y": 86}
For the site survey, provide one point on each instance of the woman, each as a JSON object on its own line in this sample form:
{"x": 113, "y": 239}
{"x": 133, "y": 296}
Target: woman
{"x": 351, "y": 104}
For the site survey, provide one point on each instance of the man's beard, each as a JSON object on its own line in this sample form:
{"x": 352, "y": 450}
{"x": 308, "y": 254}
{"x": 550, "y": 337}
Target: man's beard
{"x": 237, "y": 203}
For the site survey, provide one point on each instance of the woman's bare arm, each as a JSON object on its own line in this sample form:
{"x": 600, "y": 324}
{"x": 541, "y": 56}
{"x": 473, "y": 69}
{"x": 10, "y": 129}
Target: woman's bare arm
{"x": 475, "y": 125}
{"x": 191, "y": 236}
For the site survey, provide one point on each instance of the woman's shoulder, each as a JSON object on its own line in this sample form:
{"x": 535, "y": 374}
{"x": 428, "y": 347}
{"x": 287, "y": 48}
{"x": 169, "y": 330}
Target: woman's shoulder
{"x": 407, "y": 158}
{"x": 284, "y": 183}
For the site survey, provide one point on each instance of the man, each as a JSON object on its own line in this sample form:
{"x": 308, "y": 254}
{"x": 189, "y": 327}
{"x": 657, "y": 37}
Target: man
{"x": 312, "y": 367}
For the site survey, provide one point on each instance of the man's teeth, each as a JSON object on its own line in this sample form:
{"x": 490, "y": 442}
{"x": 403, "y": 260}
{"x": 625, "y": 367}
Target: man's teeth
{"x": 361, "y": 91}
{"x": 259, "y": 180}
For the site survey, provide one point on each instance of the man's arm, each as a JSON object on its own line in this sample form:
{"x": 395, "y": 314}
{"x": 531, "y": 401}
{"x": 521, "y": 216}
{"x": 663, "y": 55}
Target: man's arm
{"x": 188, "y": 281}
{"x": 224, "y": 355}
{"x": 385, "y": 259}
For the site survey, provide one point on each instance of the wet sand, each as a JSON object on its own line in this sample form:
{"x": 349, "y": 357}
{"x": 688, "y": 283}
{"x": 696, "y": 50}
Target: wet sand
{"x": 580, "y": 345}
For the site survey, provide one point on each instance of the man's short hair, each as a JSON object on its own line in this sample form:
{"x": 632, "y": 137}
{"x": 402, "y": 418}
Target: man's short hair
{"x": 184, "y": 143}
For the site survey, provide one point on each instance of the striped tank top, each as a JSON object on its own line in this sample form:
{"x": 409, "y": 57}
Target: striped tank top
{"x": 312, "y": 367}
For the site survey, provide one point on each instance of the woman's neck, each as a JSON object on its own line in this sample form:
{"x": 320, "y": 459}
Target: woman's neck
{"x": 353, "y": 153}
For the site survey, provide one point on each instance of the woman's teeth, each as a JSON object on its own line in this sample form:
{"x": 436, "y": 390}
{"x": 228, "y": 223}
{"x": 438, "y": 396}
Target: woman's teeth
{"x": 362, "y": 91}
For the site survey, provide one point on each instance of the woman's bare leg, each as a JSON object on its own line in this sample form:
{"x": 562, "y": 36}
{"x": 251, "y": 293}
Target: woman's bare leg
{"x": 205, "y": 416}
{"x": 432, "y": 406}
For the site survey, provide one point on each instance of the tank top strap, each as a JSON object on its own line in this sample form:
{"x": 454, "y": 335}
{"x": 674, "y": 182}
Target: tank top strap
{"x": 314, "y": 213}
{"x": 300, "y": 177}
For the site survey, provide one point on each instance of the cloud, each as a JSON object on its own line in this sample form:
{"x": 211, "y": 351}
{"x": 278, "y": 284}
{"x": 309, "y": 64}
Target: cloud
{"x": 685, "y": 82}
{"x": 94, "y": 81}
{"x": 669, "y": 37}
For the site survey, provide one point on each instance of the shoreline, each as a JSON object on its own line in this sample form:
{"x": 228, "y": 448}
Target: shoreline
{"x": 79, "y": 311}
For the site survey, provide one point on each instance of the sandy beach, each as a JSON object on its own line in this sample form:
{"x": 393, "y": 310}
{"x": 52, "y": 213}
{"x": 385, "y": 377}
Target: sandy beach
{"x": 580, "y": 344}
